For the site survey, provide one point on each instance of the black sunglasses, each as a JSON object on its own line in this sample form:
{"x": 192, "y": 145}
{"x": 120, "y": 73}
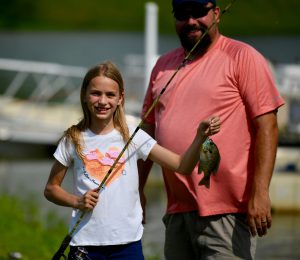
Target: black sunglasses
{"x": 183, "y": 15}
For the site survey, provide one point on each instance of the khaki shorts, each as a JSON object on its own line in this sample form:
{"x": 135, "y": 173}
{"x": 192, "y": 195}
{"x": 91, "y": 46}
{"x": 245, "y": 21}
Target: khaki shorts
{"x": 190, "y": 237}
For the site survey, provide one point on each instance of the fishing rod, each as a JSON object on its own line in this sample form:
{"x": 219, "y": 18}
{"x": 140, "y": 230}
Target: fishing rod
{"x": 188, "y": 57}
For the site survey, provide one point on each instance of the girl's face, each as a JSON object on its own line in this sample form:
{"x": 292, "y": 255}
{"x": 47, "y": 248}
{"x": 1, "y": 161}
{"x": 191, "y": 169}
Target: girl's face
{"x": 102, "y": 98}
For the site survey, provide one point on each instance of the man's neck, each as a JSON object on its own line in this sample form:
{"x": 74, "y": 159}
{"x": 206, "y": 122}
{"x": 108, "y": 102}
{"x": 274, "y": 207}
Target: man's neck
{"x": 199, "y": 53}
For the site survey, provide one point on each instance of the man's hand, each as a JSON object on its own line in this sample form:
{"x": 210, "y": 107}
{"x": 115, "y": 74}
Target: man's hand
{"x": 259, "y": 216}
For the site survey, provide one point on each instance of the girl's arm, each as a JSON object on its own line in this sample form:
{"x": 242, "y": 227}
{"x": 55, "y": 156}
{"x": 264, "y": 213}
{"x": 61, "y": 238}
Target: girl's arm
{"x": 186, "y": 163}
{"x": 56, "y": 194}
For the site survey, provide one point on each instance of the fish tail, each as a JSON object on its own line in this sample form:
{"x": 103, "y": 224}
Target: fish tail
{"x": 205, "y": 181}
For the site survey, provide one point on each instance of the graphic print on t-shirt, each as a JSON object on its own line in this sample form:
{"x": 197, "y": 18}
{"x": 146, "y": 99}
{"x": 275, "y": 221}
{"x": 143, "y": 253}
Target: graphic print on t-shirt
{"x": 97, "y": 165}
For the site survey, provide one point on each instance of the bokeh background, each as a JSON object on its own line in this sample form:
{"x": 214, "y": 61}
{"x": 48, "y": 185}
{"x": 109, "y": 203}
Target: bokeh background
{"x": 46, "y": 47}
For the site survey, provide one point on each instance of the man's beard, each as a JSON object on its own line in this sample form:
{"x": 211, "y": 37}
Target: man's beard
{"x": 189, "y": 42}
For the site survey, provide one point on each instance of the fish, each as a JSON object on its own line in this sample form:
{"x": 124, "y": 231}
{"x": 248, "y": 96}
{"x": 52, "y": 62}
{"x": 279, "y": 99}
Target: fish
{"x": 209, "y": 161}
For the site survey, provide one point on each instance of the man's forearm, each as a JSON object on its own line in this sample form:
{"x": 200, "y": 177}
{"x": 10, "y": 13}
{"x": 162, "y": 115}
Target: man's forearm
{"x": 265, "y": 149}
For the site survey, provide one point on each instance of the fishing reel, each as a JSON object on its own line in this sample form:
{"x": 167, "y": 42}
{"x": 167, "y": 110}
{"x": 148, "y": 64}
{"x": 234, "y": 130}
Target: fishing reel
{"x": 80, "y": 254}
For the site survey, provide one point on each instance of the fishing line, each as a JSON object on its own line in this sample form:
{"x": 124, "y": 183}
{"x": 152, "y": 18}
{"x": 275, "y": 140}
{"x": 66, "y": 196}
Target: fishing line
{"x": 188, "y": 57}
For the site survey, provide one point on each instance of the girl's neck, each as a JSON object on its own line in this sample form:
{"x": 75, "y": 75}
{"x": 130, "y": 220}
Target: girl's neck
{"x": 101, "y": 128}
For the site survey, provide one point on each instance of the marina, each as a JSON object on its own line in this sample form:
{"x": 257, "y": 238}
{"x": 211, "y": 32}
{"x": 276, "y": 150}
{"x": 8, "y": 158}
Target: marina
{"x": 39, "y": 88}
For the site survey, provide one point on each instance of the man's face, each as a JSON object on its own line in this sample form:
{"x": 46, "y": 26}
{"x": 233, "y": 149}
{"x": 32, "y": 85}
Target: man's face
{"x": 192, "y": 20}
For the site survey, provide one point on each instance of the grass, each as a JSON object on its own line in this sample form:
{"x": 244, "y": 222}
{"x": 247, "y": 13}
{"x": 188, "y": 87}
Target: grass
{"x": 22, "y": 230}
{"x": 271, "y": 17}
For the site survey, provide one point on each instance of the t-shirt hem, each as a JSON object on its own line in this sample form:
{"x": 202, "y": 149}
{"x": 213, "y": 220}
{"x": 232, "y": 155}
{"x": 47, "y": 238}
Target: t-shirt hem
{"x": 268, "y": 109}
{"x": 221, "y": 212}
{"x": 185, "y": 210}
{"x": 209, "y": 212}
{"x": 107, "y": 243}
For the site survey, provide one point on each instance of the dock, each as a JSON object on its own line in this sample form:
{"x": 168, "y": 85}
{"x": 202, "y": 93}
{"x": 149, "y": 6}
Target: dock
{"x": 41, "y": 100}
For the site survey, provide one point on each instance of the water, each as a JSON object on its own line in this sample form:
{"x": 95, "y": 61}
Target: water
{"x": 88, "y": 48}
{"x": 28, "y": 177}
{"x": 76, "y": 48}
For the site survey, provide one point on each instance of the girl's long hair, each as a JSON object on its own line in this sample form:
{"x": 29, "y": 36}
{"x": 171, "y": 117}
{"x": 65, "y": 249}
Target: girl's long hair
{"x": 74, "y": 133}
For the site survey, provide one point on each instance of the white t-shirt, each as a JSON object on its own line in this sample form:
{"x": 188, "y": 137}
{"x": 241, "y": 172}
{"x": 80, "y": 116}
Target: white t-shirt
{"x": 117, "y": 217}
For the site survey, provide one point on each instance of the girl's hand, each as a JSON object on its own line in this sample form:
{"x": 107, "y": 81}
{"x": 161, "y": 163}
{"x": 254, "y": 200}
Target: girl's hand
{"x": 210, "y": 126}
{"x": 88, "y": 201}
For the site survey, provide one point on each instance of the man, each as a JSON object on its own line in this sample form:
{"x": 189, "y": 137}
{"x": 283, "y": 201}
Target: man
{"x": 231, "y": 79}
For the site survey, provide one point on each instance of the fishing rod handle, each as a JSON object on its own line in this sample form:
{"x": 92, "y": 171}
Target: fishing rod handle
{"x": 60, "y": 252}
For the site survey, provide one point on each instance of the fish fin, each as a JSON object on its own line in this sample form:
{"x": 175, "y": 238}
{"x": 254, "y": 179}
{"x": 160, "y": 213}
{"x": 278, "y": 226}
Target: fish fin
{"x": 214, "y": 171}
{"x": 205, "y": 181}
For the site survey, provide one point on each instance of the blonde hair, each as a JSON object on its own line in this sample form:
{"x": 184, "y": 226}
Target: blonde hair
{"x": 109, "y": 70}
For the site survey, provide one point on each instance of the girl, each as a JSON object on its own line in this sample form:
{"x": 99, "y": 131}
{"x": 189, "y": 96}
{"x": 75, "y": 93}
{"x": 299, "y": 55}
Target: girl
{"x": 113, "y": 227}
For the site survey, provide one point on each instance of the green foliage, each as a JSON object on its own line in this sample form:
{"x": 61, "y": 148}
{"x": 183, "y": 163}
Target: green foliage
{"x": 268, "y": 17}
{"x": 246, "y": 17}
{"x": 23, "y": 230}
{"x": 13, "y": 14}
